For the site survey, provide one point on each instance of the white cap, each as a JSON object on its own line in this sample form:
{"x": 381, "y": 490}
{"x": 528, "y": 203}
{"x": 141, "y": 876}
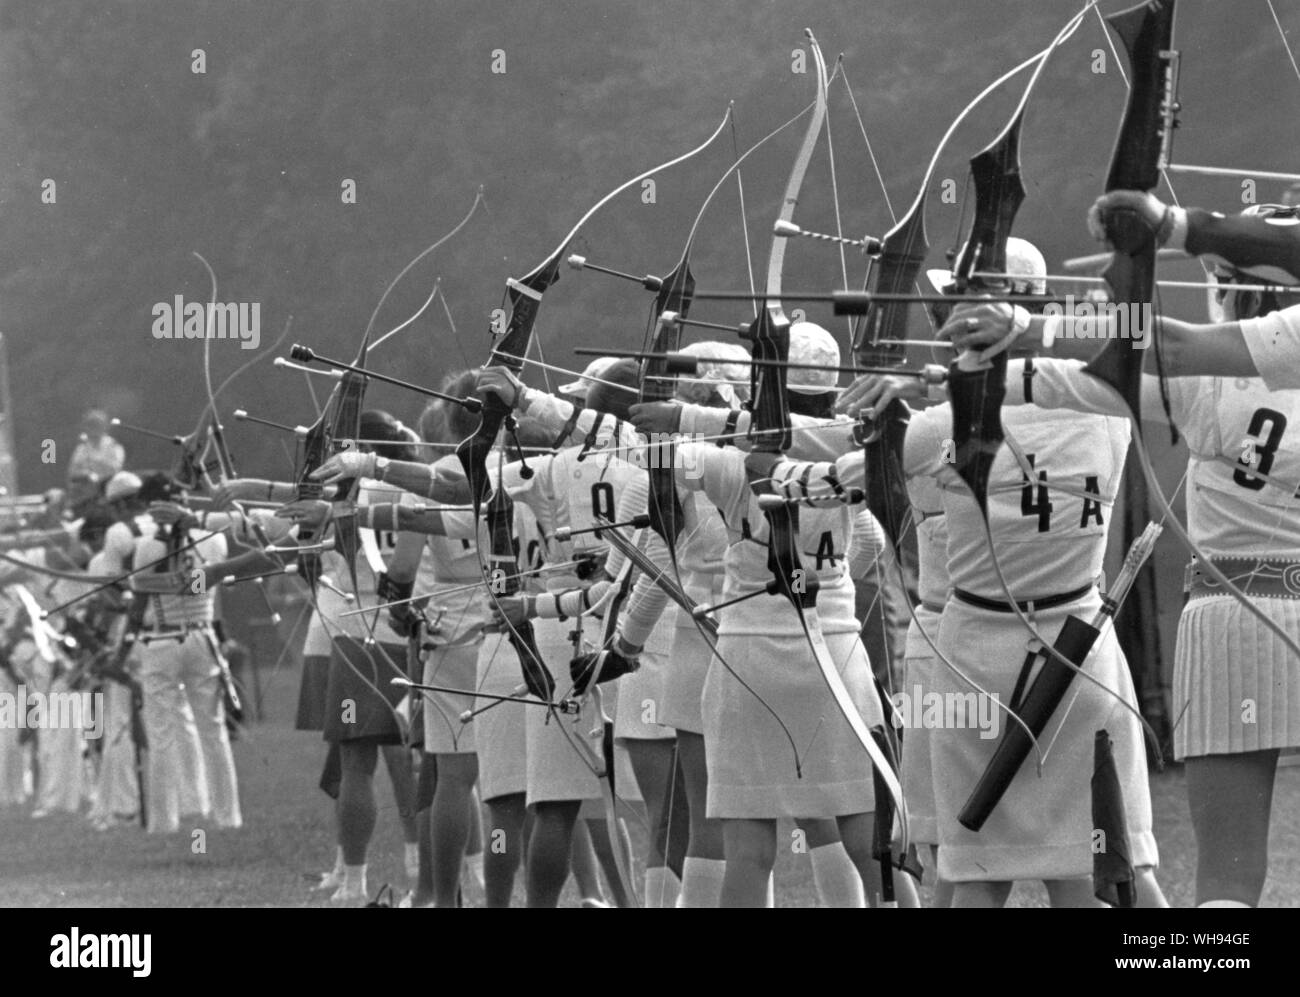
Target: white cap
{"x": 122, "y": 485}
{"x": 1023, "y": 261}
{"x": 813, "y": 346}
{"x": 597, "y": 369}
{"x": 725, "y": 371}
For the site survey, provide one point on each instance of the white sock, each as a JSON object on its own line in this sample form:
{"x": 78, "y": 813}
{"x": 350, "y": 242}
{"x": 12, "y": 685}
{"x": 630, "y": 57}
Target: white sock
{"x": 662, "y": 887}
{"x": 1223, "y": 903}
{"x": 354, "y": 878}
{"x": 411, "y": 857}
{"x": 701, "y": 882}
{"x": 771, "y": 890}
{"x": 473, "y": 869}
{"x": 836, "y": 877}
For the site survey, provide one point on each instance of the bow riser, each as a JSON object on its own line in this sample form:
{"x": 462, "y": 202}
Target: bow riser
{"x": 977, "y": 394}
{"x": 525, "y": 298}
{"x": 1141, "y": 151}
{"x": 675, "y": 295}
{"x": 1146, "y": 131}
{"x": 509, "y": 350}
{"x": 886, "y": 488}
{"x": 769, "y": 343}
{"x": 903, "y": 253}
{"x": 999, "y": 192}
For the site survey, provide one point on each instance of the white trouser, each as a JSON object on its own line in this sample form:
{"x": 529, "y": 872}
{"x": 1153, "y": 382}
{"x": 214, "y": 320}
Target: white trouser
{"x": 13, "y": 755}
{"x": 179, "y": 676}
{"x": 59, "y": 750}
{"x": 116, "y": 793}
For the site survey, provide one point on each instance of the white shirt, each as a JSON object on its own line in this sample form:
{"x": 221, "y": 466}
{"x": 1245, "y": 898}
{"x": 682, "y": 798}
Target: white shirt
{"x": 1231, "y": 511}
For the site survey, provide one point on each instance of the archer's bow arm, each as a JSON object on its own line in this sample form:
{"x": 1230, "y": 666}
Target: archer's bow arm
{"x": 927, "y": 452}
{"x": 1260, "y": 243}
{"x": 811, "y": 438}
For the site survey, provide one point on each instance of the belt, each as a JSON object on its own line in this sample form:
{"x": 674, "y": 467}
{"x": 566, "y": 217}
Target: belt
{"x": 1255, "y": 576}
{"x": 1028, "y": 606}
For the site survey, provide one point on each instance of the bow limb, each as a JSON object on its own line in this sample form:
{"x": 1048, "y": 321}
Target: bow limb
{"x": 225, "y": 466}
{"x": 663, "y": 503}
{"x": 1141, "y": 152}
{"x": 906, "y": 244}
{"x": 770, "y": 338}
{"x": 370, "y": 325}
{"x": 618, "y": 836}
{"x": 976, "y": 389}
{"x": 1295, "y": 67}
{"x": 524, "y": 297}
{"x": 510, "y": 349}
{"x": 339, "y": 421}
{"x": 72, "y": 576}
{"x": 976, "y": 395}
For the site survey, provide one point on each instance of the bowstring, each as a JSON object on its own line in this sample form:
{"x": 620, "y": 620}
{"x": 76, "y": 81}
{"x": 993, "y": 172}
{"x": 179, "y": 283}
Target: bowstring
{"x": 1167, "y": 516}
{"x": 1282, "y": 34}
{"x": 839, "y": 221}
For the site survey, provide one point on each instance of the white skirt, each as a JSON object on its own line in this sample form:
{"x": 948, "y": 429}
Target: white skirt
{"x": 453, "y": 667}
{"x": 918, "y": 771}
{"x": 751, "y": 761}
{"x": 640, "y": 694}
{"x": 1236, "y": 686}
{"x": 683, "y": 685}
{"x": 558, "y": 767}
{"x": 499, "y": 737}
{"x": 1042, "y": 828}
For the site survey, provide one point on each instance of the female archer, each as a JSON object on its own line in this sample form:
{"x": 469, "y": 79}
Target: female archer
{"x": 1233, "y": 389}
{"x": 1046, "y": 536}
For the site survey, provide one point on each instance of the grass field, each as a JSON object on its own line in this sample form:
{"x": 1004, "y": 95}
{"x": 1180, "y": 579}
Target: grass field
{"x": 288, "y": 838}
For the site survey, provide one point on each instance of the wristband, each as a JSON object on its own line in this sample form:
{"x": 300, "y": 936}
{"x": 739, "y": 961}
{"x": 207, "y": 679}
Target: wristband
{"x": 382, "y": 517}
{"x": 1051, "y": 328}
{"x": 624, "y": 647}
{"x": 381, "y": 466}
{"x": 1020, "y": 319}
{"x": 1172, "y": 232}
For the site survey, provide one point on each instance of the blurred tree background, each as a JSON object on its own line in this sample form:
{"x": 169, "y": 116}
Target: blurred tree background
{"x": 245, "y": 163}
